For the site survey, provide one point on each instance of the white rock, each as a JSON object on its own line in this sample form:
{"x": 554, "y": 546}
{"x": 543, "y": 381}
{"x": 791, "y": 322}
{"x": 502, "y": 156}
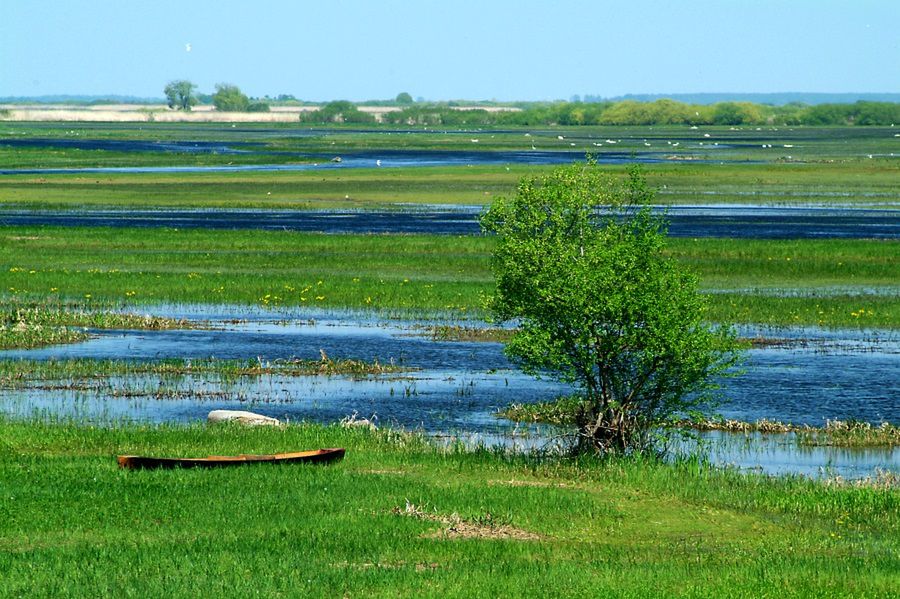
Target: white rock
{"x": 242, "y": 417}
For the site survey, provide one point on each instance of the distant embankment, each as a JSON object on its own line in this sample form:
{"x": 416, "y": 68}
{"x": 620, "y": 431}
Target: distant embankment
{"x": 125, "y": 113}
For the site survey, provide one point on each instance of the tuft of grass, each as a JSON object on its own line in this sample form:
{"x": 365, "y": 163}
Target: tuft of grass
{"x": 836, "y": 433}
{"x": 27, "y": 373}
{"x": 560, "y": 412}
{"x": 851, "y": 433}
{"x": 446, "y": 332}
{"x": 28, "y": 324}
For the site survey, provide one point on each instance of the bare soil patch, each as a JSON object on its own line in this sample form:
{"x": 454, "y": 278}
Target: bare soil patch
{"x": 455, "y": 527}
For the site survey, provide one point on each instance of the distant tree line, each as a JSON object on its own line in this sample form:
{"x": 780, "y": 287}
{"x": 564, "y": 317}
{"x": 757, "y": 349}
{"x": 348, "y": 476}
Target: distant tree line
{"x": 659, "y": 112}
{"x": 229, "y": 98}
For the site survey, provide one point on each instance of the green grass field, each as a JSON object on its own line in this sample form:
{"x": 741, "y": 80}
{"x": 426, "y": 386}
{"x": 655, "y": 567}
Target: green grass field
{"x": 827, "y": 165}
{"x": 858, "y": 184}
{"x": 777, "y": 282}
{"x": 398, "y": 517}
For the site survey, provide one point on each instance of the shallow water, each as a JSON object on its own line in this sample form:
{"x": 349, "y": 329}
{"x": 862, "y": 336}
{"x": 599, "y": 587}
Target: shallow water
{"x": 779, "y": 454}
{"x": 456, "y": 388}
{"x": 740, "y": 221}
{"x": 809, "y": 377}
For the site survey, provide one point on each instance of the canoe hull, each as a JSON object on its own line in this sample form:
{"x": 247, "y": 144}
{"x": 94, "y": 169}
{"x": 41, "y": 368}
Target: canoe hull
{"x": 318, "y": 456}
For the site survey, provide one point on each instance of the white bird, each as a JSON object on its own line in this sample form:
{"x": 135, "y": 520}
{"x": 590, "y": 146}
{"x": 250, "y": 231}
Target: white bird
{"x": 187, "y": 47}
{"x": 474, "y": 141}
{"x": 377, "y": 163}
{"x": 560, "y": 137}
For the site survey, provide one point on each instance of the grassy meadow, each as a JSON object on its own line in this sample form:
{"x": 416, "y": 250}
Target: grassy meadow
{"x": 858, "y": 184}
{"x": 804, "y": 282}
{"x": 399, "y": 517}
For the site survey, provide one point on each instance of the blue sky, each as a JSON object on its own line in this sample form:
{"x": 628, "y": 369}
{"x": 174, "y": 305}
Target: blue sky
{"x": 504, "y": 50}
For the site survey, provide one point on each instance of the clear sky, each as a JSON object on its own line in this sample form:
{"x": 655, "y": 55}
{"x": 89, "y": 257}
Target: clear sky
{"x": 441, "y": 50}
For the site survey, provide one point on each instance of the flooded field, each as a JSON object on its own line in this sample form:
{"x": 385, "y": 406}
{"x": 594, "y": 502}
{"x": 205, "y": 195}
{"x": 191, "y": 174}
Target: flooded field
{"x": 745, "y": 222}
{"x": 803, "y": 376}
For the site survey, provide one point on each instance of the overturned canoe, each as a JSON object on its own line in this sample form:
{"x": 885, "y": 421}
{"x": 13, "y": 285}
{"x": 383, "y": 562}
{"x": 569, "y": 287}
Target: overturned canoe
{"x": 134, "y": 462}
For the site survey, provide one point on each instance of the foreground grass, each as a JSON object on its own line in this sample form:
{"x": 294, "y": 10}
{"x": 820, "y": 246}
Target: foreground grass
{"x": 400, "y": 518}
{"x": 802, "y": 282}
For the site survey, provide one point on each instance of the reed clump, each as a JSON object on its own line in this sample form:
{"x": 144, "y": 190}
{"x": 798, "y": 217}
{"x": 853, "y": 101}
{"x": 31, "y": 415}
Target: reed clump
{"x": 835, "y": 433}
{"x": 25, "y": 324}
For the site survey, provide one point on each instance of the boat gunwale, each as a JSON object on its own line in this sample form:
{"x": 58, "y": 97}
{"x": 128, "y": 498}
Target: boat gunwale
{"x": 135, "y": 462}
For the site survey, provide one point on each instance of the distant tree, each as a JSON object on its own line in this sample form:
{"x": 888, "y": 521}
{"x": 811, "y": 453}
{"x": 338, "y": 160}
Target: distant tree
{"x": 404, "y": 98}
{"x": 258, "y": 106}
{"x": 735, "y": 113}
{"x": 581, "y": 265}
{"x": 339, "y": 111}
{"x": 180, "y": 94}
{"x": 230, "y": 98}
{"x": 876, "y": 113}
{"x": 828, "y": 114}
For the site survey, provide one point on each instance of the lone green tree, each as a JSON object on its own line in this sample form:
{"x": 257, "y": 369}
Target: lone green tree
{"x": 579, "y": 264}
{"x": 230, "y": 98}
{"x": 180, "y": 94}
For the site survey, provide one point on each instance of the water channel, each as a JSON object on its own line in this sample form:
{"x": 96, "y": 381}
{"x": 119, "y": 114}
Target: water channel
{"x": 736, "y": 221}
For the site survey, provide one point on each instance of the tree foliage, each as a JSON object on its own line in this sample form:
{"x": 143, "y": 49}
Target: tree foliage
{"x": 579, "y": 263}
{"x": 339, "y": 111}
{"x": 230, "y": 98}
{"x": 658, "y": 112}
{"x": 180, "y": 94}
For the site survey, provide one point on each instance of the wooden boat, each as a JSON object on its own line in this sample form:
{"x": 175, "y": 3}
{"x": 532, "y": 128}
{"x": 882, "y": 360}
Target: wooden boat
{"x": 318, "y": 456}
